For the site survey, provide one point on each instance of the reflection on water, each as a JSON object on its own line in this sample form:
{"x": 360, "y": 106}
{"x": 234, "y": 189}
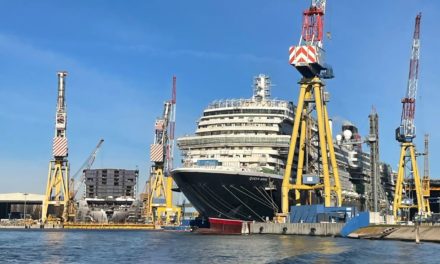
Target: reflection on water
{"x": 55, "y": 240}
{"x": 331, "y": 247}
{"x": 47, "y": 246}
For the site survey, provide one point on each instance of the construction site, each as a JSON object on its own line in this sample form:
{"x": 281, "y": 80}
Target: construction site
{"x": 103, "y": 198}
{"x": 319, "y": 187}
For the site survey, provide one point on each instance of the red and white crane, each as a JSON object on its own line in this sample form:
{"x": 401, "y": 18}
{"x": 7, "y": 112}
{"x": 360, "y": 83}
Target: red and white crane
{"x": 407, "y": 130}
{"x": 308, "y": 56}
{"x": 408, "y": 171}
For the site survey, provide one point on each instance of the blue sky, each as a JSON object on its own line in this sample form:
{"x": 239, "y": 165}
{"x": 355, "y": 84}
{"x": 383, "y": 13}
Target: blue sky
{"x": 121, "y": 56}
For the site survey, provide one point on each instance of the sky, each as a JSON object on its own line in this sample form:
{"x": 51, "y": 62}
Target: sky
{"x": 121, "y": 56}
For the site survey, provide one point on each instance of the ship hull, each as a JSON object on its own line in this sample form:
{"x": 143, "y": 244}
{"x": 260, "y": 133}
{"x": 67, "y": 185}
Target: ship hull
{"x": 241, "y": 195}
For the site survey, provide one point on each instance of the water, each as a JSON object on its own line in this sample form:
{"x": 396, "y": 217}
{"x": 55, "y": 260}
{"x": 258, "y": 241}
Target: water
{"x": 36, "y": 246}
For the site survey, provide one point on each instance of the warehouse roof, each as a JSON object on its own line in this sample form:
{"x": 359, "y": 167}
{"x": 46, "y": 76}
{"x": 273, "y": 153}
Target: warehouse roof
{"x": 20, "y": 197}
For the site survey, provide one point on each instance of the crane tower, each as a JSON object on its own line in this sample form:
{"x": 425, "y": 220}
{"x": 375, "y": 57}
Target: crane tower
{"x": 308, "y": 59}
{"x": 56, "y": 201}
{"x": 159, "y": 196}
{"x": 408, "y": 170}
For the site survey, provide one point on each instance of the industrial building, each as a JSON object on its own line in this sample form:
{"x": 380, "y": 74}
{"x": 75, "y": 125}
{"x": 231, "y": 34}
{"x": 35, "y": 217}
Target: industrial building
{"x": 110, "y": 183}
{"x": 17, "y": 205}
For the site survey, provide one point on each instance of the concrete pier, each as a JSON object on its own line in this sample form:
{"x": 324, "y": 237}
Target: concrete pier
{"x": 398, "y": 232}
{"x": 311, "y": 229}
{"x": 110, "y": 226}
{"x": 86, "y": 226}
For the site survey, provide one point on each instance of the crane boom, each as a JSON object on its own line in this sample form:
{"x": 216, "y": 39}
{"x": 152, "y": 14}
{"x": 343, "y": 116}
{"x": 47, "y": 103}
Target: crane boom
{"x": 407, "y": 130}
{"x": 308, "y": 56}
{"x": 85, "y": 166}
{"x": 313, "y": 24}
{"x": 171, "y": 128}
{"x": 164, "y": 135}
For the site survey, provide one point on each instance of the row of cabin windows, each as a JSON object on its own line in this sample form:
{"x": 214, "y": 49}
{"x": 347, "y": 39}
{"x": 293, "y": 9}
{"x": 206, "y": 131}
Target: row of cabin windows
{"x": 213, "y": 133}
{"x": 230, "y": 156}
{"x": 236, "y": 148}
{"x": 239, "y": 125}
{"x": 240, "y": 118}
{"x": 231, "y": 148}
{"x": 246, "y": 111}
{"x": 246, "y": 124}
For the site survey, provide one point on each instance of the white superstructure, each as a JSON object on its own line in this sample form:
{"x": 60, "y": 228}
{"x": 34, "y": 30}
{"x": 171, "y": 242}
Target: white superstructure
{"x": 246, "y": 134}
{"x": 253, "y": 135}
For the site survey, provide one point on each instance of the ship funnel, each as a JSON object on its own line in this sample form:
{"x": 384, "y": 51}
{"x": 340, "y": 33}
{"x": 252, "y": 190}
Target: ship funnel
{"x": 262, "y": 86}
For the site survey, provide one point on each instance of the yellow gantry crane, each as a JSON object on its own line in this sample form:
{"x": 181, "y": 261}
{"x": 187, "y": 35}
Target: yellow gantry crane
{"x": 308, "y": 59}
{"x": 408, "y": 171}
{"x": 56, "y": 201}
{"x": 158, "y": 199}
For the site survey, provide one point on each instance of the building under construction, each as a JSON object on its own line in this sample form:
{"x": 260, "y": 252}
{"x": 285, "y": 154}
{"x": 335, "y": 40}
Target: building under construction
{"x": 110, "y": 183}
{"x": 110, "y": 196}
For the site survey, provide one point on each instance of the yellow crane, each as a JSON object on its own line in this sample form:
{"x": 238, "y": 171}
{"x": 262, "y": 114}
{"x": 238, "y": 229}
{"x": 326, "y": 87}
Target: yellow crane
{"x": 308, "y": 59}
{"x": 158, "y": 198}
{"x": 56, "y": 200}
{"x": 408, "y": 171}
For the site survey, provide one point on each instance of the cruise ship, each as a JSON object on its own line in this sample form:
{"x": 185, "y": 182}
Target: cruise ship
{"x": 234, "y": 164}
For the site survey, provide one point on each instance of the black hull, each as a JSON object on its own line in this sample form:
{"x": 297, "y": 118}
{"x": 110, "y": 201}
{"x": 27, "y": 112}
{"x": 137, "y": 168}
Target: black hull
{"x": 232, "y": 195}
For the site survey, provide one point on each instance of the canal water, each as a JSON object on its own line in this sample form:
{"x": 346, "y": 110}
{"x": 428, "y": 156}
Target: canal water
{"x": 37, "y": 246}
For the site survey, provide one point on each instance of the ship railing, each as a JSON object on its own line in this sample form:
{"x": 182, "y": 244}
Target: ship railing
{"x": 254, "y": 127}
{"x": 238, "y": 122}
{"x": 190, "y": 141}
{"x": 228, "y": 168}
{"x": 249, "y": 102}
